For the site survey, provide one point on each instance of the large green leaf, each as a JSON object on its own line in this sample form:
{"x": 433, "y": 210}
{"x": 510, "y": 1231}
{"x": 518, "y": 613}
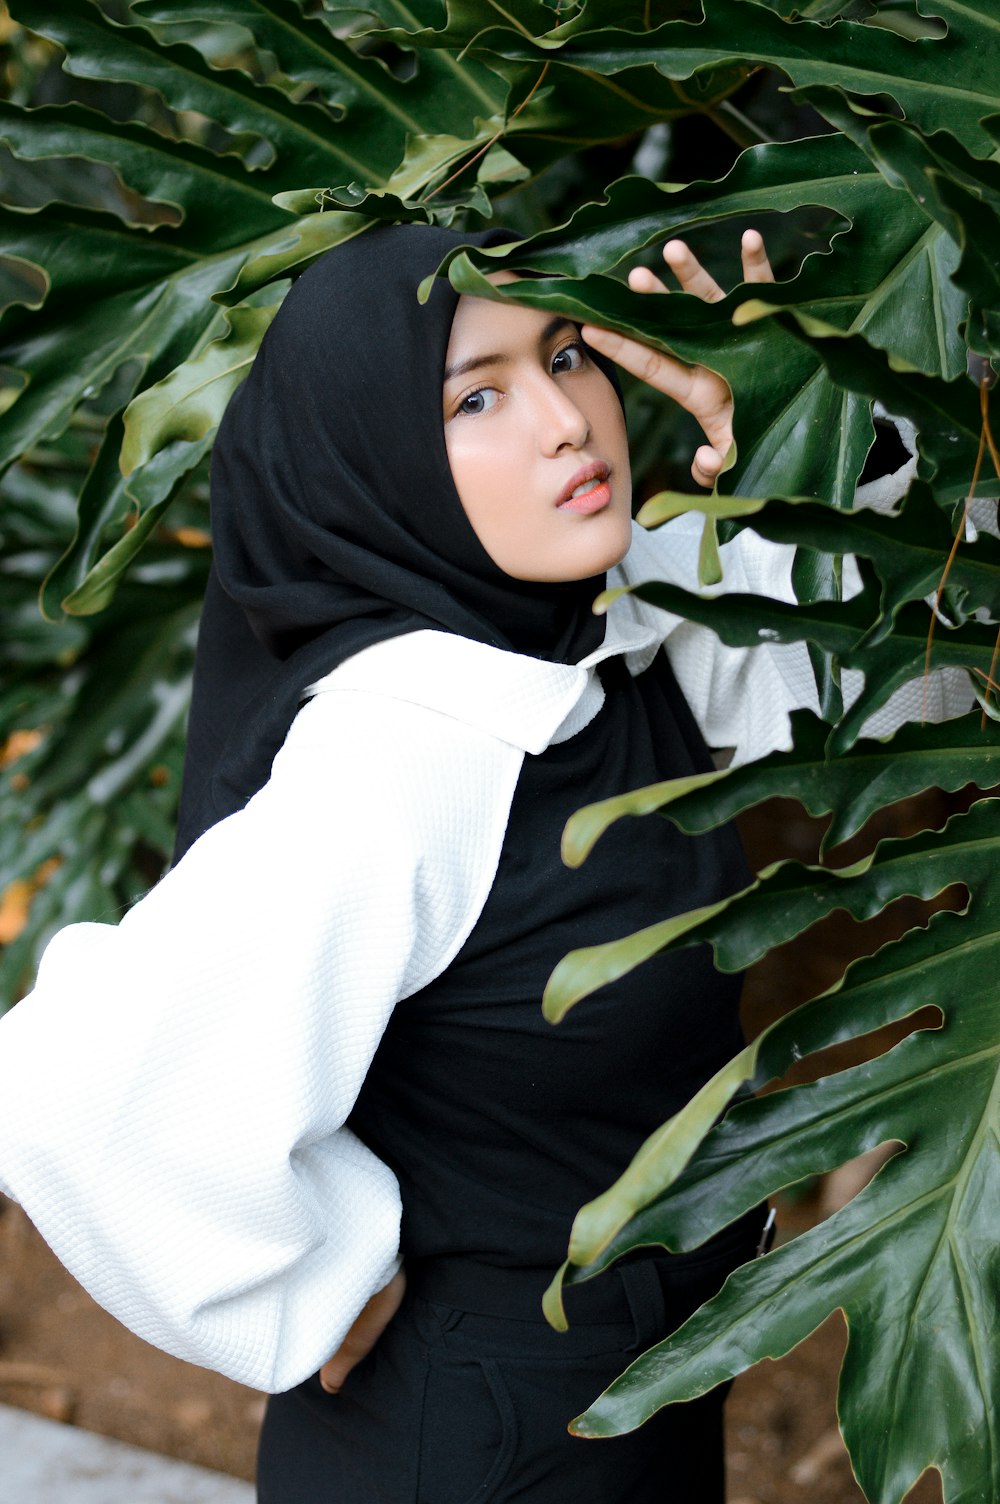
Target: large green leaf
{"x": 149, "y": 305}
{"x": 866, "y": 779}
{"x": 295, "y": 136}
{"x": 889, "y": 281}
{"x": 846, "y": 630}
{"x": 960, "y": 192}
{"x": 947, "y": 415}
{"x": 913, "y": 1261}
{"x": 175, "y": 409}
{"x": 908, "y": 549}
{"x": 941, "y": 83}
{"x": 86, "y": 811}
{"x": 308, "y": 49}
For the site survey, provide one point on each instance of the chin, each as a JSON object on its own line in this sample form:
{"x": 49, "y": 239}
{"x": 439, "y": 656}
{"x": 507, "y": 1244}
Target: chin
{"x": 606, "y": 553}
{"x": 584, "y": 566}
{"x": 558, "y": 558}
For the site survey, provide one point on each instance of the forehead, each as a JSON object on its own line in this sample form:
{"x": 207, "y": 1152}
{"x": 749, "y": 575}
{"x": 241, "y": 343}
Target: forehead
{"x": 483, "y": 327}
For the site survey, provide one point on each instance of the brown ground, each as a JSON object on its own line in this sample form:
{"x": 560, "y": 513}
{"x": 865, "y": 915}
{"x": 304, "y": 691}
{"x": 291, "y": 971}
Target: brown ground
{"x": 61, "y": 1356}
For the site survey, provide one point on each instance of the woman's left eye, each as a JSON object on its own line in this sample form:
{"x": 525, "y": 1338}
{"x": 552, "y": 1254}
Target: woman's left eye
{"x": 569, "y": 358}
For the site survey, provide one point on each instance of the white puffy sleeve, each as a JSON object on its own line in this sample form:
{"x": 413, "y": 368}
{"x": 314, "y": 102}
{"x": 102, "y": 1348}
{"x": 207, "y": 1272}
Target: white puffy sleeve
{"x": 740, "y": 697}
{"x": 175, "y": 1088}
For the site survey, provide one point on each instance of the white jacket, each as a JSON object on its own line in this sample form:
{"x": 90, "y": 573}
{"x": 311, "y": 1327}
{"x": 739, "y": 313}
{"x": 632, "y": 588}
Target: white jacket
{"x": 175, "y": 1088}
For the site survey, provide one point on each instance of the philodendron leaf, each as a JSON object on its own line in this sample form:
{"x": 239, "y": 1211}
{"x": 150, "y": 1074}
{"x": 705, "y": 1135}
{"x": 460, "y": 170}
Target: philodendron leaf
{"x": 149, "y": 492}
{"x": 907, "y": 549}
{"x": 959, "y": 191}
{"x": 304, "y": 134}
{"x": 583, "y": 971}
{"x": 785, "y": 899}
{"x": 945, "y": 82}
{"x": 21, "y": 283}
{"x": 914, "y": 1261}
{"x": 98, "y": 703}
{"x": 210, "y": 194}
{"x": 898, "y": 256}
{"x": 855, "y": 786}
{"x": 845, "y": 629}
{"x": 946, "y": 414}
{"x": 185, "y": 405}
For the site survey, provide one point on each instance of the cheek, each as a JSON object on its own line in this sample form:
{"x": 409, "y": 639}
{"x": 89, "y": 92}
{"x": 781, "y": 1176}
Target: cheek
{"x": 611, "y": 422}
{"x": 479, "y": 468}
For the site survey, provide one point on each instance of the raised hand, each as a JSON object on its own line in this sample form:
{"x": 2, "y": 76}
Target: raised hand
{"x": 701, "y": 392}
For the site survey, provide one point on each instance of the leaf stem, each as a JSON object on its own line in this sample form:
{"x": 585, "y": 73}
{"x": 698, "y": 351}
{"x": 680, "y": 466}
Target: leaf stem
{"x": 737, "y": 126}
{"x": 493, "y": 139}
{"x": 986, "y": 441}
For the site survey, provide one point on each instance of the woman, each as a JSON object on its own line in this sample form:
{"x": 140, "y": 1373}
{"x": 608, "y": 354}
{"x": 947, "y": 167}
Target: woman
{"x": 327, "y": 1014}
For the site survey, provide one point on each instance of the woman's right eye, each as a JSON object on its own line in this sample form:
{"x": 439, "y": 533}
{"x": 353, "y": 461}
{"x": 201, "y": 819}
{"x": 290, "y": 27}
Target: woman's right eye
{"x": 478, "y": 402}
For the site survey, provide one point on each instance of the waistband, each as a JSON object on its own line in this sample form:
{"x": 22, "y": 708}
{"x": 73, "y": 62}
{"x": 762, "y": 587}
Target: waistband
{"x": 678, "y": 1282}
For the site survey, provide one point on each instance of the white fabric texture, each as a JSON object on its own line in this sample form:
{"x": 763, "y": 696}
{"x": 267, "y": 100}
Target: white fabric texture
{"x": 175, "y": 1088}
{"x": 741, "y": 697}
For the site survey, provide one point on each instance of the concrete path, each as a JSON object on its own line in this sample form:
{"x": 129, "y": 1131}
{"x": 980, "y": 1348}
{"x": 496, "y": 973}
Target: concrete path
{"x": 43, "y": 1462}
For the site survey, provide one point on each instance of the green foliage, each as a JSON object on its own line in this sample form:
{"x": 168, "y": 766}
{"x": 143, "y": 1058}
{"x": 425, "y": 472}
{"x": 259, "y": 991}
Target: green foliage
{"x": 191, "y": 159}
{"x": 94, "y": 709}
{"x": 913, "y": 1261}
{"x": 170, "y": 169}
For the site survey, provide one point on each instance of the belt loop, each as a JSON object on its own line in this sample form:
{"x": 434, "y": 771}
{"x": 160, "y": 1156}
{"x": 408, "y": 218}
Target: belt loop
{"x": 644, "y": 1293}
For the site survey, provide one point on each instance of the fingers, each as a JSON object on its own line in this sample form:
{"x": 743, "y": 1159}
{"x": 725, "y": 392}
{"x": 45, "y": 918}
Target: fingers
{"x": 670, "y": 376}
{"x": 693, "y": 277}
{"x": 701, "y": 392}
{"x": 690, "y": 273}
{"x": 363, "y": 1335}
{"x": 348, "y": 1356}
{"x": 643, "y": 279}
{"x": 756, "y": 266}
{"x": 698, "y": 390}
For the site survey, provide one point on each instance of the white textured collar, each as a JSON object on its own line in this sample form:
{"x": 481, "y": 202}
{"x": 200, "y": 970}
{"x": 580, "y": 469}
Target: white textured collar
{"x": 524, "y": 701}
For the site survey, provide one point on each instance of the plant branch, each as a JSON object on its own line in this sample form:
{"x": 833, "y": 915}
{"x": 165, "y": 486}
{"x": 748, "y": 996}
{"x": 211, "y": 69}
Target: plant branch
{"x": 493, "y": 139}
{"x": 737, "y": 126}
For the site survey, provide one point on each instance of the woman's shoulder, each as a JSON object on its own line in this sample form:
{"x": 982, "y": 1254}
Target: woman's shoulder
{"x": 455, "y": 696}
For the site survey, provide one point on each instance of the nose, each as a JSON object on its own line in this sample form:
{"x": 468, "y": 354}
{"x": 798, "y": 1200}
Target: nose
{"x": 562, "y": 423}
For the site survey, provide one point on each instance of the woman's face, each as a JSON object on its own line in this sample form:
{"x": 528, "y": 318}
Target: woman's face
{"x": 536, "y": 442}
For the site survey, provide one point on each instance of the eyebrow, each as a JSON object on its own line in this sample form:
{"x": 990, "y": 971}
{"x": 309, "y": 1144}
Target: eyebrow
{"x": 462, "y": 367}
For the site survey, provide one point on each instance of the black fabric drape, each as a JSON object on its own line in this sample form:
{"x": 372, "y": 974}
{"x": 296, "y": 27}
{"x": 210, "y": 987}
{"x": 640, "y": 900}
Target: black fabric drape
{"x": 335, "y": 520}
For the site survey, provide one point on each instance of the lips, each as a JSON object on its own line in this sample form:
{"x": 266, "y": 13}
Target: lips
{"x": 595, "y": 496}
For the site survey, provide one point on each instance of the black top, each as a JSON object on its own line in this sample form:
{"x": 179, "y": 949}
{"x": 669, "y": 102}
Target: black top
{"x": 499, "y": 1124}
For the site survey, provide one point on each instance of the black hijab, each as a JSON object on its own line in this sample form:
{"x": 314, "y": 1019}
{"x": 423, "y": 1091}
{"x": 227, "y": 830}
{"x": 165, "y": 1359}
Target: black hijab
{"x": 335, "y": 520}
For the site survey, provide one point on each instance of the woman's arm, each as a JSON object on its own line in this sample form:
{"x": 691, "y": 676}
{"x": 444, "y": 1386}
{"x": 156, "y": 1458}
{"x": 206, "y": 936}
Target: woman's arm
{"x": 175, "y": 1088}
{"x": 742, "y": 697}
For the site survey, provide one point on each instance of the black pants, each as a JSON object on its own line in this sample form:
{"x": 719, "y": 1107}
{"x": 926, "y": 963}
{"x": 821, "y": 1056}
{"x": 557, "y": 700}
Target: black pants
{"x": 462, "y": 1403}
